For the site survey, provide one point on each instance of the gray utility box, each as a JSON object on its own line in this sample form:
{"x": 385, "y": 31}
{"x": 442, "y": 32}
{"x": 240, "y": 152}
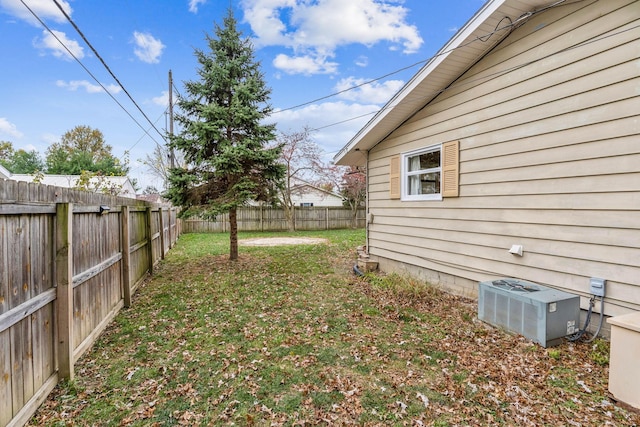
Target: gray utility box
{"x": 544, "y": 315}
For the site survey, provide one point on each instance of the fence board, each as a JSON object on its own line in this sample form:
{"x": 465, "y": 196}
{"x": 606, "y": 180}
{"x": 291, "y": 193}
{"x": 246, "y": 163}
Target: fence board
{"x": 6, "y": 401}
{"x": 13, "y": 316}
{"x": 273, "y": 219}
{"x": 47, "y": 348}
{"x": 125, "y": 242}
{"x": 14, "y": 266}
{"x": 74, "y": 275}
{"x": 19, "y": 334}
{"x": 37, "y": 266}
{"x": 42, "y": 345}
{"x": 4, "y": 259}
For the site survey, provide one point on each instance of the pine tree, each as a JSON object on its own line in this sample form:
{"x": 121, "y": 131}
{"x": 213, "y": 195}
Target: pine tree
{"x": 223, "y": 138}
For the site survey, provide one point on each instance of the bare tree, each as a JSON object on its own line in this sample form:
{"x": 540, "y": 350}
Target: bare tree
{"x": 302, "y": 158}
{"x": 158, "y": 163}
{"x": 354, "y": 190}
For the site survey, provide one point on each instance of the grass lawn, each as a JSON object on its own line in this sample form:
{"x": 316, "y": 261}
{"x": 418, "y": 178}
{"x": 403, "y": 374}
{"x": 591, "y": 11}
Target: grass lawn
{"x": 287, "y": 335}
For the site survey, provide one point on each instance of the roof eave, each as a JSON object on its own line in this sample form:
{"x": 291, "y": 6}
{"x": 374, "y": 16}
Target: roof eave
{"x": 403, "y": 105}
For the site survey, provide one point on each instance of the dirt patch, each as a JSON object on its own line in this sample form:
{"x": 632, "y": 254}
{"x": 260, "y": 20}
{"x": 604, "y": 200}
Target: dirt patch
{"x": 280, "y": 241}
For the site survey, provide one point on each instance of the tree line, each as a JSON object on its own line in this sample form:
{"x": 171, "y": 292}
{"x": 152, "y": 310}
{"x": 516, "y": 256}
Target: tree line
{"x": 81, "y": 151}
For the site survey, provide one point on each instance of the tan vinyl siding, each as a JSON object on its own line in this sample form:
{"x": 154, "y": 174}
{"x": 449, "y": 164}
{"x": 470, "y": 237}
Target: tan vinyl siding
{"x": 394, "y": 177}
{"x": 511, "y": 98}
{"x": 549, "y": 158}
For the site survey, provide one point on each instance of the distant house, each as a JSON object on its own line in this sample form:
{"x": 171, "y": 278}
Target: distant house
{"x": 120, "y": 184}
{"x": 523, "y": 130}
{"x": 305, "y": 194}
{"x": 152, "y": 198}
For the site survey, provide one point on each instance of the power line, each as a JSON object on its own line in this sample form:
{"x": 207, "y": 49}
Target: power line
{"x": 488, "y": 76}
{"x": 147, "y": 132}
{"x": 322, "y": 98}
{"x": 86, "y": 69}
{"x": 346, "y": 120}
{"x": 484, "y": 38}
{"x": 105, "y": 66}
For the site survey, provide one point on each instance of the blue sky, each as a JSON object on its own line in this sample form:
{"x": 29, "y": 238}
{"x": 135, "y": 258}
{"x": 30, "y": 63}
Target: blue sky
{"x": 308, "y": 49}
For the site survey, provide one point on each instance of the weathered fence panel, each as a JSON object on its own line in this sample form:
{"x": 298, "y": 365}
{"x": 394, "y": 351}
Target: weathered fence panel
{"x": 139, "y": 245}
{"x": 274, "y": 219}
{"x": 67, "y": 267}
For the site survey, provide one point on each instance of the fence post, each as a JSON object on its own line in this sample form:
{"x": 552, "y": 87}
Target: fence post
{"x": 327, "y": 217}
{"x": 161, "y": 226}
{"x": 126, "y": 257}
{"x": 64, "y": 284}
{"x": 169, "y": 235}
{"x": 149, "y": 237}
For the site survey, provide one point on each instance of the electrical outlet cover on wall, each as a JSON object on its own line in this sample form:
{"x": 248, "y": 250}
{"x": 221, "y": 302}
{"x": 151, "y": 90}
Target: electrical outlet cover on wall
{"x": 596, "y": 286}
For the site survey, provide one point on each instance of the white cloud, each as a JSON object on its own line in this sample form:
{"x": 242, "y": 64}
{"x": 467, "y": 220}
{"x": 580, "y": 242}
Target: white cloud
{"x": 148, "y": 48}
{"x": 375, "y": 92}
{"x": 193, "y": 5}
{"x": 45, "y": 9}
{"x": 55, "y": 41}
{"x": 162, "y": 100}
{"x": 304, "y": 65}
{"x": 362, "y": 61}
{"x": 335, "y": 122}
{"x": 74, "y": 85}
{"x": 317, "y": 28}
{"x": 8, "y": 128}
{"x": 265, "y": 19}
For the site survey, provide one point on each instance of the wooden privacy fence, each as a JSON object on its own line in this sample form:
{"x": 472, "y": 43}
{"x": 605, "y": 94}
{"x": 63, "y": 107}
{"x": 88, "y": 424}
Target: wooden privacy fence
{"x": 274, "y": 219}
{"x": 69, "y": 261}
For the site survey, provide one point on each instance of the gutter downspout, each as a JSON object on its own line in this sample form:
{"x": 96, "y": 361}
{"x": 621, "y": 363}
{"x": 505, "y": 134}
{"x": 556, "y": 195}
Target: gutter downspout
{"x": 356, "y": 269}
{"x": 367, "y": 206}
{"x": 367, "y": 222}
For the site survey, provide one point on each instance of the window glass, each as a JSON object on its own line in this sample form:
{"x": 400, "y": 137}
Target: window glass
{"x": 424, "y": 161}
{"x": 421, "y": 171}
{"x": 427, "y": 183}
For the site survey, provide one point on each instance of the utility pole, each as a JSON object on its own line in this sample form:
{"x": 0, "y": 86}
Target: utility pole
{"x": 172, "y": 157}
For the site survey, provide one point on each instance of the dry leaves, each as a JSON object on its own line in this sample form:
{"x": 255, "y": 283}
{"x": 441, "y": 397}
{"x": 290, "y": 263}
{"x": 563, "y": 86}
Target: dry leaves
{"x": 292, "y": 338}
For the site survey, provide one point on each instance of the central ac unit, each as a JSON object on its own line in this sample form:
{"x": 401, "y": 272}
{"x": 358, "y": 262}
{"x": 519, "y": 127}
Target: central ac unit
{"x": 544, "y": 315}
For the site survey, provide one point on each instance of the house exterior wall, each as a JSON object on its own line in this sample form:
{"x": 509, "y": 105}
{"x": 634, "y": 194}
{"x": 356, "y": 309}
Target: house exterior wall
{"x": 319, "y": 198}
{"x": 549, "y": 132}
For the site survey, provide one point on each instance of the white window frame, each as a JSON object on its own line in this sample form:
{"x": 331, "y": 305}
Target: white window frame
{"x": 405, "y": 174}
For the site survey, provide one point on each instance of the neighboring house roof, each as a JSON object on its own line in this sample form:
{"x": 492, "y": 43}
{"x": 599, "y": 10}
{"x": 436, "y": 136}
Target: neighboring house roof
{"x": 69, "y": 181}
{"x": 301, "y": 185}
{"x": 152, "y": 198}
{"x": 4, "y": 173}
{"x": 305, "y": 192}
{"x": 488, "y": 26}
